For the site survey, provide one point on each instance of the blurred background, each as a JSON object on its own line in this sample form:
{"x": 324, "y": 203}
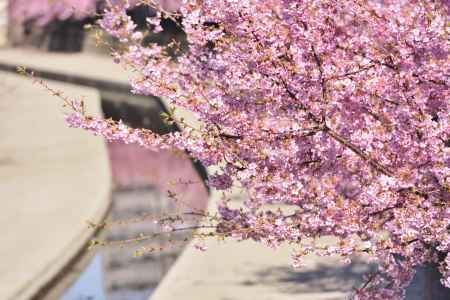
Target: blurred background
{"x": 50, "y": 38}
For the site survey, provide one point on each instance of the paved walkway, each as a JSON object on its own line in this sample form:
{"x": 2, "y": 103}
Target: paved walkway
{"x": 72, "y": 66}
{"x": 247, "y": 270}
{"x": 52, "y": 180}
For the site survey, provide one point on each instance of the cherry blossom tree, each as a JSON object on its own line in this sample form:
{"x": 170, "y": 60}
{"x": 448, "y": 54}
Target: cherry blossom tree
{"x": 45, "y": 11}
{"x": 339, "y": 110}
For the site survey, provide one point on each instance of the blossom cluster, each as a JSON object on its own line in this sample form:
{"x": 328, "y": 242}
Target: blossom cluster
{"x": 339, "y": 110}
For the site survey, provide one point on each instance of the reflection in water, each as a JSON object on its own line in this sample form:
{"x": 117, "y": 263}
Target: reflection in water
{"x": 128, "y": 277}
{"x": 140, "y": 179}
{"x": 89, "y": 285}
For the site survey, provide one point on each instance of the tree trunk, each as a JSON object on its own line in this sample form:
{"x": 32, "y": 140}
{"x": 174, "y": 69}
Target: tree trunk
{"x": 426, "y": 285}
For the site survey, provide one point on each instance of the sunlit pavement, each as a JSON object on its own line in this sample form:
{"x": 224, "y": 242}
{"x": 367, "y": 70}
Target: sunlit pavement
{"x": 52, "y": 180}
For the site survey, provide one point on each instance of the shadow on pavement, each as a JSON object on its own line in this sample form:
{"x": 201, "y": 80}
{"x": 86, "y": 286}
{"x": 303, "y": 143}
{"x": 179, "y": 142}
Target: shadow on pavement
{"x": 323, "y": 278}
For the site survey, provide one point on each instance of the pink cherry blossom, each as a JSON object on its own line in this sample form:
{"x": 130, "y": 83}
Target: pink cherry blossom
{"x": 338, "y": 109}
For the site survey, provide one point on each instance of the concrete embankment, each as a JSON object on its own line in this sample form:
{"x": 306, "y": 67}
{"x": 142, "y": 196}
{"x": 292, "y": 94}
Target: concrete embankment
{"x": 52, "y": 180}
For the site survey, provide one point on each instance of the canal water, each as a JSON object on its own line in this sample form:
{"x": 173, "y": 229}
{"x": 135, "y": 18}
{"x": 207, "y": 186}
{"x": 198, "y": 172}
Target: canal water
{"x": 90, "y": 286}
{"x": 87, "y": 287}
{"x": 141, "y": 181}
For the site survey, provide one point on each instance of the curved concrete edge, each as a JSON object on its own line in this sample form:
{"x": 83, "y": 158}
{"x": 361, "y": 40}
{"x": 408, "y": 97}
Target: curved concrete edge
{"x": 71, "y": 68}
{"x": 107, "y": 76}
{"x": 53, "y": 180}
{"x": 76, "y": 265}
{"x": 61, "y": 273}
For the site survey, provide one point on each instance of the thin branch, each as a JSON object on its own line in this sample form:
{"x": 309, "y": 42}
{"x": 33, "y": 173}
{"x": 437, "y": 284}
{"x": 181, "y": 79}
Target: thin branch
{"x": 379, "y": 167}
{"x": 322, "y": 79}
{"x": 150, "y": 236}
{"x": 366, "y": 68}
